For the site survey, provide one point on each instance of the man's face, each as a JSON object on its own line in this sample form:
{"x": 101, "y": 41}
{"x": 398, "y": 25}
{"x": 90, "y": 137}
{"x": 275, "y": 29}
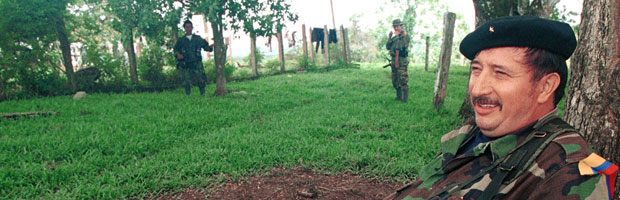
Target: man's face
{"x": 398, "y": 28}
{"x": 502, "y": 91}
{"x": 188, "y": 28}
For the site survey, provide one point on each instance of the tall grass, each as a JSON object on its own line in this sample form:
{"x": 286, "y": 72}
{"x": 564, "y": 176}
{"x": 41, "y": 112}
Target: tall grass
{"x": 111, "y": 146}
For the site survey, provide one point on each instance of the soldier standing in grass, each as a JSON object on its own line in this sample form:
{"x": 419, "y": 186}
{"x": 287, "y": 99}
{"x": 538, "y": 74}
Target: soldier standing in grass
{"x": 398, "y": 46}
{"x": 518, "y": 148}
{"x": 189, "y": 58}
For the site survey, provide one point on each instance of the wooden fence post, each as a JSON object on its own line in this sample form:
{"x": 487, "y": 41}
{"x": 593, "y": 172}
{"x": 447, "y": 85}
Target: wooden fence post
{"x": 426, "y": 58}
{"x": 230, "y": 49}
{"x": 303, "y": 34}
{"x": 443, "y": 66}
{"x": 311, "y": 46}
{"x": 253, "y": 54}
{"x": 344, "y": 46}
{"x": 281, "y": 50}
{"x": 346, "y": 40}
{"x": 326, "y": 43}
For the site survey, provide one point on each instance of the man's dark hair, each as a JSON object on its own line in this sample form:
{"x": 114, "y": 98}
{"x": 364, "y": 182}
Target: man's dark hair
{"x": 187, "y": 22}
{"x": 545, "y": 62}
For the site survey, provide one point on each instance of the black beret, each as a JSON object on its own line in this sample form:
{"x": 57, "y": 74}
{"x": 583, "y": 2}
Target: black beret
{"x": 521, "y": 31}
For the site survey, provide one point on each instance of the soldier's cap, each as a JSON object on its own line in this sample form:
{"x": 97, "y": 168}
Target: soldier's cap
{"x": 397, "y": 22}
{"x": 521, "y": 31}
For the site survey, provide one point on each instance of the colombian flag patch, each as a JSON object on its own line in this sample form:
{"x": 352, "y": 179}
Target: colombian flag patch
{"x": 595, "y": 164}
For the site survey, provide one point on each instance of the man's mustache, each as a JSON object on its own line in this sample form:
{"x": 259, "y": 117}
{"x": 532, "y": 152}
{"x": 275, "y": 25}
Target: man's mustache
{"x": 485, "y": 100}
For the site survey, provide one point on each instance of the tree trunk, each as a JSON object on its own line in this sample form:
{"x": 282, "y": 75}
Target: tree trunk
{"x": 490, "y": 9}
{"x": 593, "y": 99}
{"x": 443, "y": 66}
{"x": 65, "y": 48}
{"x": 347, "y": 43}
{"x": 253, "y": 53}
{"x": 281, "y": 50}
{"x": 542, "y": 8}
{"x": 220, "y": 56}
{"x": 131, "y": 53}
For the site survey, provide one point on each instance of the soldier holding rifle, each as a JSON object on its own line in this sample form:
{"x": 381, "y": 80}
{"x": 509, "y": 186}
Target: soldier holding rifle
{"x": 398, "y": 45}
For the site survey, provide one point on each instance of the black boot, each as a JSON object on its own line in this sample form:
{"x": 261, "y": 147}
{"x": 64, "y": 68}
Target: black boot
{"x": 202, "y": 91}
{"x": 405, "y": 95}
{"x": 398, "y": 94}
{"x": 188, "y": 90}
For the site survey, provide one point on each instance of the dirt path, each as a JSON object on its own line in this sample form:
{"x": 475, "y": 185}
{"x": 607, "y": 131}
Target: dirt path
{"x": 296, "y": 183}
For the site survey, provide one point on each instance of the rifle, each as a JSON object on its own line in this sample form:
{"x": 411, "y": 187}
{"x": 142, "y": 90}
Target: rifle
{"x": 389, "y": 62}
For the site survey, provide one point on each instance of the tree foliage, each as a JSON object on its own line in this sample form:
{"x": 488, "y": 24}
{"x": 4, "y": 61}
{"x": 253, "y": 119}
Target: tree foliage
{"x": 29, "y": 46}
{"x": 260, "y": 17}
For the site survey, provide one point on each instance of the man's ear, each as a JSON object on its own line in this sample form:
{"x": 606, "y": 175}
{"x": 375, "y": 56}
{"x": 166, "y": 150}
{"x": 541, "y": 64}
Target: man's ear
{"x": 546, "y": 87}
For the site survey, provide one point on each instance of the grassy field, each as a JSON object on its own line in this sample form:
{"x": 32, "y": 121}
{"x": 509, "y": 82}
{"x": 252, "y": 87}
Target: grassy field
{"x": 111, "y": 146}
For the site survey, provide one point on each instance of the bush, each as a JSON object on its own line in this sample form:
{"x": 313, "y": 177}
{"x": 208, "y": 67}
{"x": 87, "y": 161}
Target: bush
{"x": 272, "y": 65}
{"x": 243, "y": 73}
{"x": 306, "y": 63}
{"x": 113, "y": 76}
{"x": 259, "y": 57}
{"x": 41, "y": 82}
{"x": 150, "y": 66}
{"x": 209, "y": 68}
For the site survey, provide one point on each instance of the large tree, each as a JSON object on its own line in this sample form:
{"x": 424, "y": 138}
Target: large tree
{"x": 490, "y": 9}
{"x": 224, "y": 14}
{"x": 262, "y": 18}
{"x": 593, "y": 99}
{"x": 58, "y": 11}
{"x": 30, "y": 28}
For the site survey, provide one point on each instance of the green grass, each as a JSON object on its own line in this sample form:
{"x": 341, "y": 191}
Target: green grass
{"x": 111, "y": 146}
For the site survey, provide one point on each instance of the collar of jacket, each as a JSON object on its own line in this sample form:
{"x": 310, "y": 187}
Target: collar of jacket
{"x": 500, "y": 147}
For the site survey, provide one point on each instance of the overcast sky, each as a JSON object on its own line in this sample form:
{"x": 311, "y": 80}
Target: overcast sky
{"x": 317, "y": 13}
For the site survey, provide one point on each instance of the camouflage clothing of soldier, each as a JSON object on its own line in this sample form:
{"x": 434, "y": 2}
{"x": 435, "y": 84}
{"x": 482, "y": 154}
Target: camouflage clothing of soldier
{"x": 189, "y": 59}
{"x": 399, "y": 45}
{"x": 517, "y": 148}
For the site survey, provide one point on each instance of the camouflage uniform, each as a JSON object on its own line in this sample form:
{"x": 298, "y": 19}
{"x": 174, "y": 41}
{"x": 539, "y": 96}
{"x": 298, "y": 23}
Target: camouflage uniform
{"x": 400, "y": 78}
{"x": 556, "y": 173}
{"x": 190, "y": 67}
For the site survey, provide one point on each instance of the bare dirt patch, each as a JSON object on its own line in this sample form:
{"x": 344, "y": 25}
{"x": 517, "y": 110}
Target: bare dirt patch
{"x": 295, "y": 183}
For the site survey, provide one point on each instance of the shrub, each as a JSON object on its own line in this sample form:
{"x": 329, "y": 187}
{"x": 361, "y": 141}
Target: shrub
{"x": 243, "y": 72}
{"x": 259, "y": 57}
{"x": 273, "y": 65}
{"x": 41, "y": 82}
{"x": 306, "y": 63}
{"x": 150, "y": 66}
{"x": 209, "y": 68}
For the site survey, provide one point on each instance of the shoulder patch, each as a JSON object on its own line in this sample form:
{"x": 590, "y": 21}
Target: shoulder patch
{"x": 595, "y": 164}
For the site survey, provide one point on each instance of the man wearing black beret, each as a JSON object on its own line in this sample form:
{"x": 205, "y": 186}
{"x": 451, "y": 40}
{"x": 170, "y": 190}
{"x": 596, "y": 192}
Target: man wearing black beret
{"x": 517, "y": 147}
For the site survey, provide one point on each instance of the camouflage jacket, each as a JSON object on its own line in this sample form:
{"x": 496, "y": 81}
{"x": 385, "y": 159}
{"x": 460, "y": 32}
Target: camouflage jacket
{"x": 559, "y": 171}
{"x": 190, "y": 49}
{"x": 399, "y": 42}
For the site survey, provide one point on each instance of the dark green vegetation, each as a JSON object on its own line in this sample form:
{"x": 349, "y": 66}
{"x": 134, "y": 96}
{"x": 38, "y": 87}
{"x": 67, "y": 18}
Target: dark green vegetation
{"x": 110, "y": 146}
